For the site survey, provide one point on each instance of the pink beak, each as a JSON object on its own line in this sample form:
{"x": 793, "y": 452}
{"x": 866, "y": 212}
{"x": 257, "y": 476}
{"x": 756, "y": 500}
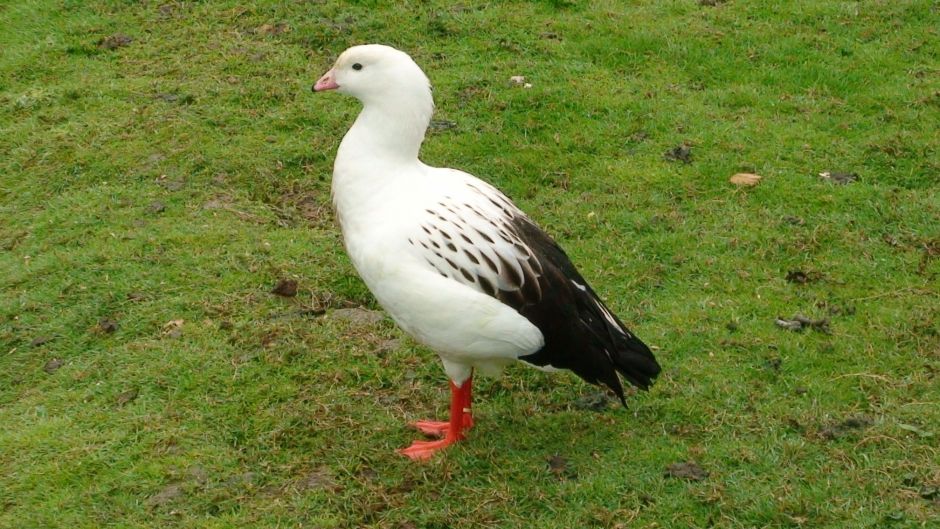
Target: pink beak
{"x": 327, "y": 82}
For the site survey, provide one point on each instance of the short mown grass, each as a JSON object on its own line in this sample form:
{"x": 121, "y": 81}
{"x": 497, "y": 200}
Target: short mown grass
{"x": 164, "y": 165}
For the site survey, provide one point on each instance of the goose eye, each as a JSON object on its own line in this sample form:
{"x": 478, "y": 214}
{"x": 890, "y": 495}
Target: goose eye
{"x": 357, "y": 66}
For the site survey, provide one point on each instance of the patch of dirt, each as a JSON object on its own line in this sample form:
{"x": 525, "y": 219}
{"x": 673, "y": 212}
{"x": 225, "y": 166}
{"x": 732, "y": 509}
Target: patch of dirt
{"x": 170, "y": 185}
{"x": 836, "y": 309}
{"x": 245, "y": 479}
{"x": 272, "y": 29}
{"x": 169, "y": 494}
{"x": 323, "y": 301}
{"x": 801, "y": 278}
{"x": 169, "y": 97}
{"x": 197, "y": 474}
{"x": 931, "y": 251}
{"x": 136, "y": 296}
{"x": 688, "y": 470}
{"x": 794, "y": 425}
{"x": 368, "y": 473}
{"x": 774, "y": 364}
{"x": 837, "y": 430}
{"x": 358, "y": 316}
{"x": 113, "y": 42}
{"x": 167, "y": 11}
{"x": 53, "y": 365}
{"x": 317, "y": 479}
{"x": 929, "y": 492}
{"x": 471, "y": 92}
{"x": 107, "y": 326}
{"x": 297, "y": 205}
{"x": 386, "y": 346}
{"x": 156, "y": 207}
{"x": 683, "y": 430}
{"x": 126, "y": 397}
{"x": 219, "y": 201}
{"x": 285, "y": 288}
{"x": 799, "y": 322}
{"x": 680, "y": 153}
{"x": 839, "y": 178}
{"x": 41, "y": 340}
{"x": 558, "y": 466}
{"x": 10, "y": 242}
{"x": 594, "y": 402}
{"x": 441, "y": 125}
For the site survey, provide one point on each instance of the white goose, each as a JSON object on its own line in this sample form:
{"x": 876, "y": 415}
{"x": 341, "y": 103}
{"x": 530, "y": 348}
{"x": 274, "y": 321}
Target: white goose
{"x": 454, "y": 262}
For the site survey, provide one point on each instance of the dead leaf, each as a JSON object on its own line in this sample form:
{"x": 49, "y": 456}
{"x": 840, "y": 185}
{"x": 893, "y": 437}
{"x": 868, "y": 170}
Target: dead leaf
{"x": 745, "y": 179}
{"x": 286, "y": 288}
{"x": 53, "y": 365}
{"x": 173, "y": 328}
{"x": 688, "y": 470}
{"x": 156, "y": 207}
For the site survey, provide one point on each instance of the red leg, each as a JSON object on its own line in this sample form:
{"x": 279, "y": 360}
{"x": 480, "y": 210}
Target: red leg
{"x": 467, "y": 398}
{"x": 439, "y": 428}
{"x": 452, "y": 431}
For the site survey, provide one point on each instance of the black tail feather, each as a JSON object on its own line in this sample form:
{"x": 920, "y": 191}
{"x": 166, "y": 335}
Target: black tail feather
{"x": 581, "y": 333}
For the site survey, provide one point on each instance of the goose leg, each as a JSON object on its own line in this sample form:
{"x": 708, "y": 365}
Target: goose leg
{"x": 452, "y": 431}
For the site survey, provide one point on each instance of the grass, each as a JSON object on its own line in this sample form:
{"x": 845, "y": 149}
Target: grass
{"x": 180, "y": 173}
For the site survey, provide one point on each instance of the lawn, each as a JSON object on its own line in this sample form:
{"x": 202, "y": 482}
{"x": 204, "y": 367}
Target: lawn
{"x": 164, "y": 166}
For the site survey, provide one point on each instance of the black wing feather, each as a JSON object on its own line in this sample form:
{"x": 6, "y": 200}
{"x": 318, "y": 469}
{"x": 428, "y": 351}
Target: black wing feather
{"x": 581, "y": 333}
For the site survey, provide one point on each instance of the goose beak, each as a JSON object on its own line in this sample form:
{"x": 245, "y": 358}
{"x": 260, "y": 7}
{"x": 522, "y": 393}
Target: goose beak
{"x": 327, "y": 82}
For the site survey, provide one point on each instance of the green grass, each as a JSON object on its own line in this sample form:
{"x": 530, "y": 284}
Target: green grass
{"x": 179, "y": 176}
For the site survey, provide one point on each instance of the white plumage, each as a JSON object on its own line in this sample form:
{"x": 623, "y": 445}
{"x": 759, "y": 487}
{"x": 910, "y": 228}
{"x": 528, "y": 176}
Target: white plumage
{"x": 453, "y": 261}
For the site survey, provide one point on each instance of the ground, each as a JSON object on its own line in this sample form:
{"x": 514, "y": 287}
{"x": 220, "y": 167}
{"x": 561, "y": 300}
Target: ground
{"x": 164, "y": 169}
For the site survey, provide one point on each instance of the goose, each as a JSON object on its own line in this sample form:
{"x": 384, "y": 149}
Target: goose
{"x": 452, "y": 260}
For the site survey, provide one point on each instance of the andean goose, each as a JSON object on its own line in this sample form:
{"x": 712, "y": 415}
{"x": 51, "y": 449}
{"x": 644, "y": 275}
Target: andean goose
{"x": 454, "y": 262}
